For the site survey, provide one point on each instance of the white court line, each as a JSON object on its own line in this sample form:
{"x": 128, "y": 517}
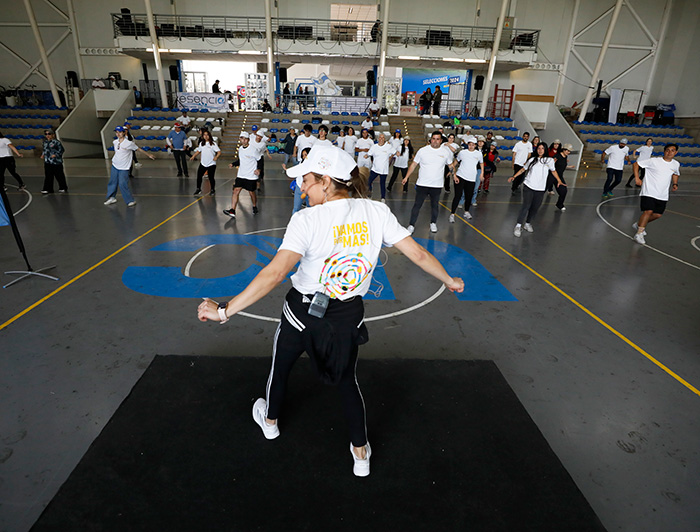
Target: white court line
{"x": 191, "y": 261}
{"x": 597, "y": 209}
{"x": 693, "y": 242}
{"x": 29, "y": 201}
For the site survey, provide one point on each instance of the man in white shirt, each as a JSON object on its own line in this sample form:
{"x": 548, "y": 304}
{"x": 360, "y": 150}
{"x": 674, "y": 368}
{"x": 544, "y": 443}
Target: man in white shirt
{"x": 362, "y": 146}
{"x": 185, "y": 121}
{"x": 247, "y": 176}
{"x": 258, "y": 140}
{"x": 306, "y": 140}
{"x": 617, "y": 156}
{"x": 373, "y": 109}
{"x": 661, "y": 173}
{"x": 369, "y": 126}
{"x": 432, "y": 160}
{"x": 521, "y": 153}
{"x": 380, "y": 153}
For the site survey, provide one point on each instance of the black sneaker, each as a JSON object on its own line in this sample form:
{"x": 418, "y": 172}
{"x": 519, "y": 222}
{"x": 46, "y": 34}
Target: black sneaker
{"x": 179, "y": 174}
{"x": 230, "y": 212}
{"x": 255, "y": 210}
{"x": 198, "y": 192}
{"x": 212, "y": 193}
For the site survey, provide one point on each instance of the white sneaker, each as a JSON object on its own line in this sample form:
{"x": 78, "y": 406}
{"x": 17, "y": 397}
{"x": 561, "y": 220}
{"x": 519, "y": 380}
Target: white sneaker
{"x": 361, "y": 467}
{"x": 517, "y": 231}
{"x": 131, "y": 204}
{"x": 528, "y": 228}
{"x": 468, "y": 215}
{"x": 138, "y": 165}
{"x": 452, "y": 218}
{"x": 563, "y": 209}
{"x": 639, "y": 238}
{"x": 383, "y": 200}
{"x": 636, "y": 228}
{"x": 410, "y": 229}
{"x": 259, "y": 414}
{"x": 110, "y": 201}
{"x": 474, "y": 204}
{"x": 433, "y": 228}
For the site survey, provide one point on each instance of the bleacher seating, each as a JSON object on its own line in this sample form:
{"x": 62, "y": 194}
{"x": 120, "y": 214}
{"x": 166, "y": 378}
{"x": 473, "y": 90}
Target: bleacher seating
{"x": 25, "y": 125}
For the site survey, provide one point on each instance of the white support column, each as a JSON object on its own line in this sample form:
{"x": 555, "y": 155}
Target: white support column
{"x": 156, "y": 54}
{"x": 569, "y": 46}
{"x": 42, "y": 52}
{"x": 37, "y": 64}
{"x": 270, "y": 58}
{"x": 382, "y": 54}
{"x": 662, "y": 36}
{"x": 76, "y": 39}
{"x": 601, "y": 59}
{"x": 494, "y": 55}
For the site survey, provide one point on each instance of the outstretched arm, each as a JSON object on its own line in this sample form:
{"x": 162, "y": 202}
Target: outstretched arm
{"x": 411, "y": 168}
{"x": 268, "y": 278}
{"x": 428, "y": 263}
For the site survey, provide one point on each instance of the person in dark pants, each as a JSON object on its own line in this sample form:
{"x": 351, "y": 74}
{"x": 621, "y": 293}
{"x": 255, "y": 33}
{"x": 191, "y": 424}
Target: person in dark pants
{"x": 401, "y": 163}
{"x": 432, "y": 160}
{"x": 522, "y": 151}
{"x": 323, "y": 312}
{"x": 7, "y": 161}
{"x": 536, "y": 171}
{"x": 177, "y": 141}
{"x": 617, "y": 156}
{"x": 52, "y": 152}
{"x": 561, "y": 163}
{"x": 437, "y": 100}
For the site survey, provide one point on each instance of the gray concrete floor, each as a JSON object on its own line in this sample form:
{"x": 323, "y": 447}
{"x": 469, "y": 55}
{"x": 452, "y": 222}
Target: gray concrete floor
{"x": 601, "y": 345}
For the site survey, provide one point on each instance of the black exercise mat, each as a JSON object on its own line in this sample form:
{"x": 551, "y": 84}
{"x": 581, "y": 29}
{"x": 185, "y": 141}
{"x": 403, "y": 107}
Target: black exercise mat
{"x": 453, "y": 449}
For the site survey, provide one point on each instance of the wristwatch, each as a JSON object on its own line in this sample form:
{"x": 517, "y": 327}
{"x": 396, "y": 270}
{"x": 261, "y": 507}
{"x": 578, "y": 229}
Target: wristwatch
{"x": 222, "y": 312}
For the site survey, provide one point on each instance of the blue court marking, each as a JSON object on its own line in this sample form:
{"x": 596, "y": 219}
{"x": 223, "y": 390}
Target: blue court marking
{"x": 170, "y": 281}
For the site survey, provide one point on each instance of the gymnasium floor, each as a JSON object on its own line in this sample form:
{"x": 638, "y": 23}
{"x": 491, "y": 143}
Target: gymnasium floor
{"x": 599, "y": 337}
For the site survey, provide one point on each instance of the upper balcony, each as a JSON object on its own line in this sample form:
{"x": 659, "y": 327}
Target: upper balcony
{"x": 323, "y": 41}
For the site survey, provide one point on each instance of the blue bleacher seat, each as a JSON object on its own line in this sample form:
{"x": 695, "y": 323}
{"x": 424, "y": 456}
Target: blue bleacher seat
{"x": 284, "y": 130}
{"x": 285, "y": 120}
{"x": 274, "y": 120}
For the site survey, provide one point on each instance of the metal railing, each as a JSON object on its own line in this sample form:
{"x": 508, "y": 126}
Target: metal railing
{"x": 402, "y": 33}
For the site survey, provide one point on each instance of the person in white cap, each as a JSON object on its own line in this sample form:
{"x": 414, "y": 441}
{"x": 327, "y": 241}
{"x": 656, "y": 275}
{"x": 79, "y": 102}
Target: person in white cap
{"x": 121, "y": 165}
{"x": 258, "y": 140}
{"x": 617, "y": 156}
{"x": 662, "y": 173}
{"x": 247, "y": 176}
{"x": 336, "y": 244}
{"x": 471, "y": 165}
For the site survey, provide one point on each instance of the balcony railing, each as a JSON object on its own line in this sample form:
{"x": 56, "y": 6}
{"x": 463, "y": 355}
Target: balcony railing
{"x": 344, "y": 31}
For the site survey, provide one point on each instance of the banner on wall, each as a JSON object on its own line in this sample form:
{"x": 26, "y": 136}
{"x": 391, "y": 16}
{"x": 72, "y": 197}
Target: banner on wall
{"x": 203, "y": 100}
{"x": 419, "y": 79}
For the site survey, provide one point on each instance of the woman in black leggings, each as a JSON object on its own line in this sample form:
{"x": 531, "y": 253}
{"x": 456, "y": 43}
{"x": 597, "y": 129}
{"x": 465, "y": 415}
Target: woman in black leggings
{"x": 7, "y": 161}
{"x": 401, "y": 163}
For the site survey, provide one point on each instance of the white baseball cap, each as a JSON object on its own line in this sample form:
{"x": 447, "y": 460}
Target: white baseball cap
{"x": 470, "y": 138}
{"x": 330, "y": 161}
{"x": 623, "y": 141}
{"x": 244, "y": 135}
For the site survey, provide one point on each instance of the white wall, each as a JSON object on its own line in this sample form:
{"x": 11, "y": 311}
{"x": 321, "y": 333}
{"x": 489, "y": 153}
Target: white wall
{"x": 229, "y": 73}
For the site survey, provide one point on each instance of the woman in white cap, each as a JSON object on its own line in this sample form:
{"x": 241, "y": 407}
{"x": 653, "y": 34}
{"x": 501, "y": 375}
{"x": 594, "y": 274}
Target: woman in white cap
{"x": 121, "y": 165}
{"x": 247, "y": 176}
{"x": 336, "y": 243}
{"x": 471, "y": 163}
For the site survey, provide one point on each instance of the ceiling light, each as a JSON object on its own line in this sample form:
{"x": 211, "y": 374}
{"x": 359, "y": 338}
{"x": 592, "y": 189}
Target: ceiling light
{"x": 475, "y": 61}
{"x": 178, "y": 51}
{"x": 411, "y": 57}
{"x": 454, "y": 59}
{"x": 249, "y": 52}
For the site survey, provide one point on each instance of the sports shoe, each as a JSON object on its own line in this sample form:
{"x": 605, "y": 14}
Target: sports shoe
{"x": 639, "y": 238}
{"x": 551, "y": 193}
{"x": 110, "y": 201}
{"x": 636, "y": 228}
{"x": 138, "y": 165}
{"x": 452, "y": 218}
{"x": 468, "y": 215}
{"x": 259, "y": 414}
{"x": 230, "y": 212}
{"x": 63, "y": 191}
{"x": 212, "y": 193}
{"x": 528, "y": 228}
{"x": 517, "y": 231}
{"x": 197, "y": 192}
{"x": 433, "y": 228}
{"x": 410, "y": 229}
{"x": 45, "y": 192}
{"x": 131, "y": 204}
{"x": 361, "y": 466}
{"x": 383, "y": 200}
{"x": 255, "y": 210}
{"x": 474, "y": 204}
{"x": 610, "y": 194}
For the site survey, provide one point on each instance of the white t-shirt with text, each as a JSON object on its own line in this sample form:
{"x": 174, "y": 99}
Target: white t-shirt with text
{"x": 339, "y": 242}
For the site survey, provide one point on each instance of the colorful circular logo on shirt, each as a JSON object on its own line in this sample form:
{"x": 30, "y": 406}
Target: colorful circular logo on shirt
{"x": 343, "y": 273}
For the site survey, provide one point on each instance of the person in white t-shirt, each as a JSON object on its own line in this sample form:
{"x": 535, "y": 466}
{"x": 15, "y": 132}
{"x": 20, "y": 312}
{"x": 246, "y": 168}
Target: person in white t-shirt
{"x": 662, "y": 173}
{"x": 121, "y": 165}
{"x": 373, "y": 109}
{"x": 323, "y": 140}
{"x": 432, "y": 160}
{"x": 7, "y": 161}
{"x": 258, "y": 140}
{"x": 369, "y": 126}
{"x": 210, "y": 153}
{"x": 471, "y": 165}
{"x": 336, "y": 244}
{"x": 362, "y": 146}
{"x": 405, "y": 154}
{"x": 643, "y": 153}
{"x": 340, "y": 139}
{"x": 247, "y": 176}
{"x": 522, "y": 151}
{"x": 454, "y": 148}
{"x": 185, "y": 121}
{"x": 350, "y": 140}
{"x": 305, "y": 140}
{"x": 536, "y": 171}
{"x": 380, "y": 153}
{"x": 617, "y": 156}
